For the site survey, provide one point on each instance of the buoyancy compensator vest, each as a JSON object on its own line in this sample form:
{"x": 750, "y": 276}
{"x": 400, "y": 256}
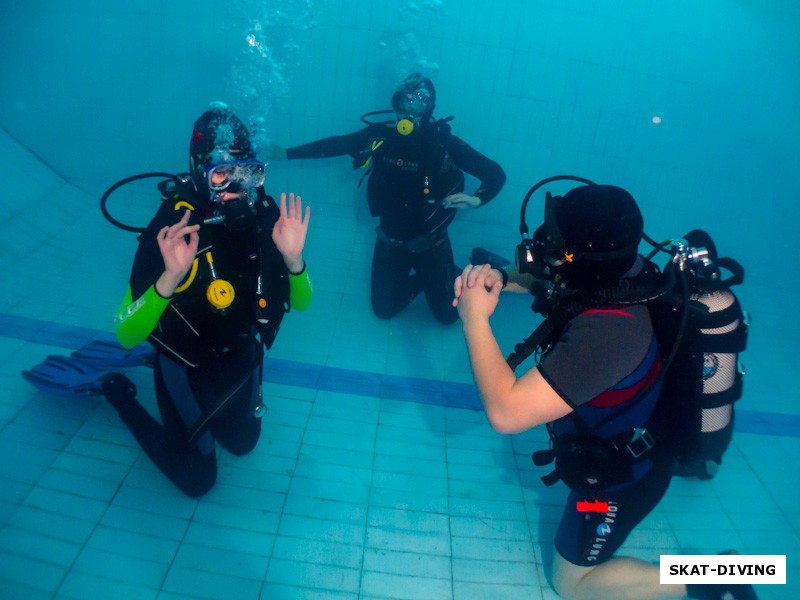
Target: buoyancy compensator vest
{"x": 700, "y": 328}
{"x": 271, "y": 301}
{"x": 586, "y": 459}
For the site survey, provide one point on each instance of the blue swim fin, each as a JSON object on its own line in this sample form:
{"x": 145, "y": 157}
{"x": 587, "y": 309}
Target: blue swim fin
{"x": 110, "y": 355}
{"x": 66, "y": 376}
{"x": 84, "y": 371}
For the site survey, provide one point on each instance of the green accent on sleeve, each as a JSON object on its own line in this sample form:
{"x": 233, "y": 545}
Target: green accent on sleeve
{"x": 135, "y": 320}
{"x": 300, "y": 291}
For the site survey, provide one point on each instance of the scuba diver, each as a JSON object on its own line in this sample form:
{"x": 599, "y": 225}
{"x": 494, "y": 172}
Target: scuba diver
{"x": 215, "y": 272}
{"x": 596, "y": 384}
{"x": 416, "y": 184}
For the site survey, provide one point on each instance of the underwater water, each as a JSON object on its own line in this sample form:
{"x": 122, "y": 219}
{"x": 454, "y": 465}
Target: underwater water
{"x": 377, "y": 475}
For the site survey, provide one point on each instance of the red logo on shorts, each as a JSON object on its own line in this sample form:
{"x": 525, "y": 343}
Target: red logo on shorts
{"x": 584, "y": 506}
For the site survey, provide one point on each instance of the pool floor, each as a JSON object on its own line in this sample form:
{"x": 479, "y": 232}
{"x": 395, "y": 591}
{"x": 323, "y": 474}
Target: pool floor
{"x": 376, "y": 476}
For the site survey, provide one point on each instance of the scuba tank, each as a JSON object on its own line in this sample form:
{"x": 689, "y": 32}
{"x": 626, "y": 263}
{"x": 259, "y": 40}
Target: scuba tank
{"x": 705, "y": 378}
{"x": 720, "y": 374}
{"x": 717, "y": 335}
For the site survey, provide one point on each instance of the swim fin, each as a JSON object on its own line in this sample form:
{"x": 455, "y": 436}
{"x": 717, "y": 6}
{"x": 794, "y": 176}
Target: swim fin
{"x": 66, "y": 376}
{"x": 481, "y": 256}
{"x": 111, "y": 355}
{"x": 84, "y": 371}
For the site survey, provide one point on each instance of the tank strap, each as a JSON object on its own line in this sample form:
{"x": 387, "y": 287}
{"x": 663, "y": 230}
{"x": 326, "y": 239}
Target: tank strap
{"x": 731, "y": 342}
{"x": 719, "y": 318}
{"x": 725, "y": 397}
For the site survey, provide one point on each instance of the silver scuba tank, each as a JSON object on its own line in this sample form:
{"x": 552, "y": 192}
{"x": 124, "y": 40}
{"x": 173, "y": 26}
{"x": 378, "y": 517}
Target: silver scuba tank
{"x": 722, "y": 373}
{"x": 708, "y": 378}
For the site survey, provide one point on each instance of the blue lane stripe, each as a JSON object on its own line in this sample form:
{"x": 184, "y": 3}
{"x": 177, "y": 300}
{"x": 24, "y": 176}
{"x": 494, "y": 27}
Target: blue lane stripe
{"x": 362, "y": 383}
{"x": 349, "y": 381}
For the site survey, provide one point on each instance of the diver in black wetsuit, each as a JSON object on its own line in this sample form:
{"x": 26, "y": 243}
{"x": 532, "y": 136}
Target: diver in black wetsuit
{"x": 596, "y": 385}
{"x": 215, "y": 272}
{"x": 415, "y": 186}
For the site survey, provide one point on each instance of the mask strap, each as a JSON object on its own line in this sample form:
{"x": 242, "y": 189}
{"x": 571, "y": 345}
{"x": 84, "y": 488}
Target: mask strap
{"x": 554, "y": 240}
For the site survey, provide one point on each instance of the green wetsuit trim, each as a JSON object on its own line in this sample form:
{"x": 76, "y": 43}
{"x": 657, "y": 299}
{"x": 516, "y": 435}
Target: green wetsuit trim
{"x": 135, "y": 321}
{"x": 300, "y": 291}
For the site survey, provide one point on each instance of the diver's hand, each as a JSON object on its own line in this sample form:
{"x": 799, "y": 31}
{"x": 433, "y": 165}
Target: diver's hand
{"x": 461, "y": 200}
{"x": 477, "y": 292}
{"x": 491, "y": 278}
{"x": 178, "y": 253}
{"x": 289, "y": 232}
{"x": 275, "y": 152}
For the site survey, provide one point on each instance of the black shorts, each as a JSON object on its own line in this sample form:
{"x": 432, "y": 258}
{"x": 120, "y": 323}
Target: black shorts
{"x": 593, "y": 528}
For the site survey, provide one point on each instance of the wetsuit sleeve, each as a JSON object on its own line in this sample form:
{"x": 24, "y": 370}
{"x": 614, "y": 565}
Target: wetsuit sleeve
{"x": 135, "y": 321}
{"x": 597, "y": 349}
{"x": 300, "y": 291}
{"x": 338, "y": 145}
{"x": 468, "y": 159}
{"x": 142, "y": 306}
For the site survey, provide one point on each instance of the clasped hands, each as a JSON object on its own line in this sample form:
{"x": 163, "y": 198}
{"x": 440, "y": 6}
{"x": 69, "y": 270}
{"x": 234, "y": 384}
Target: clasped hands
{"x": 477, "y": 291}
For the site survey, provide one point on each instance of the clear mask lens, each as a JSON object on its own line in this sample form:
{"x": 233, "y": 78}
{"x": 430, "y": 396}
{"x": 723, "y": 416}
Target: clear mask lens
{"x": 247, "y": 174}
{"x": 417, "y": 103}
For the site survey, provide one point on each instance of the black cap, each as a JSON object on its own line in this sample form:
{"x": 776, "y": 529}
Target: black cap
{"x": 218, "y": 136}
{"x": 596, "y": 230}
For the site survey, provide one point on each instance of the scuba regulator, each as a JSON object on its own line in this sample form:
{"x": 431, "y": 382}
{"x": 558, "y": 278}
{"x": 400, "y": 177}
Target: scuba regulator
{"x": 404, "y": 126}
{"x": 545, "y": 257}
{"x": 239, "y": 178}
{"x": 236, "y": 214}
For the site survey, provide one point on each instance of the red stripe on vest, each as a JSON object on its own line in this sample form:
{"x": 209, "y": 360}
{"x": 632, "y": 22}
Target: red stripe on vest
{"x": 613, "y": 311}
{"x": 611, "y": 398}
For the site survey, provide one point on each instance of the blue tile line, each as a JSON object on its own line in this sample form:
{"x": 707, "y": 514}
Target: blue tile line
{"x": 350, "y": 381}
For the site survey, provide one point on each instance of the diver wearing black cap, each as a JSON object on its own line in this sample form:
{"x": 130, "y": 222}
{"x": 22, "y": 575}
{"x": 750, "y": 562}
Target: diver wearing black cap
{"x": 215, "y": 272}
{"x": 416, "y": 184}
{"x": 595, "y": 386}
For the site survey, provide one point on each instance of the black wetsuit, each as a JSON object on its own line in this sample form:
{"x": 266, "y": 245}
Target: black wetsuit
{"x": 410, "y": 177}
{"x": 208, "y": 361}
{"x": 602, "y": 365}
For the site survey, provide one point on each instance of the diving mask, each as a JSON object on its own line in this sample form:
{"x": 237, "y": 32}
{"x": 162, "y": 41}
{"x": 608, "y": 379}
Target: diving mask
{"x": 411, "y": 107}
{"x": 233, "y": 191}
{"x": 416, "y": 103}
{"x": 244, "y": 173}
{"x": 531, "y": 254}
{"x": 543, "y": 254}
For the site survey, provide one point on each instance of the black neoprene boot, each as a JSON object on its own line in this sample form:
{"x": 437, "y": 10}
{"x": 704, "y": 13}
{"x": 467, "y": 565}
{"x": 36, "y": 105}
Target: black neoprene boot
{"x": 721, "y": 591}
{"x": 481, "y": 256}
{"x": 118, "y": 389}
